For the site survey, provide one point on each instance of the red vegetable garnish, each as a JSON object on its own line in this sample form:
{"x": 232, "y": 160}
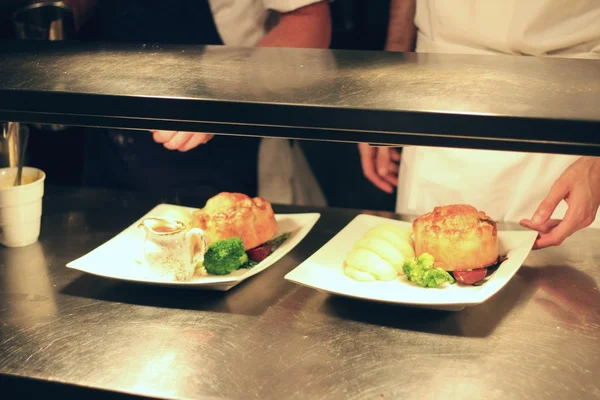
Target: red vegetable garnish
{"x": 263, "y": 251}
{"x": 470, "y": 277}
{"x": 259, "y": 253}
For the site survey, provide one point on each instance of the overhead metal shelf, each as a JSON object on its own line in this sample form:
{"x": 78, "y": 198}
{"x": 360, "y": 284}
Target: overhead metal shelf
{"x": 489, "y": 102}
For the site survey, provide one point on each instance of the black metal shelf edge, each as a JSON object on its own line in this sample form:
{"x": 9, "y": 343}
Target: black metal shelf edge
{"x": 495, "y": 102}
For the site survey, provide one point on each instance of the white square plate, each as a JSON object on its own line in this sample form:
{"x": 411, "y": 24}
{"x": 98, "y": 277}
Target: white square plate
{"x": 323, "y": 271}
{"x": 119, "y": 257}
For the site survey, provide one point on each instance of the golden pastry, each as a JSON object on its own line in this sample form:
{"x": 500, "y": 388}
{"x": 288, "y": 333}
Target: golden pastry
{"x": 459, "y": 237}
{"x": 228, "y": 215}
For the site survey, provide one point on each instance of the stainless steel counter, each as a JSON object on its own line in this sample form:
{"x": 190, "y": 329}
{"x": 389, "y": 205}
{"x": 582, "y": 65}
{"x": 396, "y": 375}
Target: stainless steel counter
{"x": 539, "y": 338}
{"x": 477, "y": 101}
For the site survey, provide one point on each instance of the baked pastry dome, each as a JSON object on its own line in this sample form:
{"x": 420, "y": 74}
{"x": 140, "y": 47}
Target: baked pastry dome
{"x": 229, "y": 215}
{"x": 459, "y": 237}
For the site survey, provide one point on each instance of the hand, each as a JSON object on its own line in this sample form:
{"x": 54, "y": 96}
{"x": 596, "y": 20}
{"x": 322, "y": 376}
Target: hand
{"x": 182, "y": 141}
{"x": 380, "y": 165}
{"x": 579, "y": 186}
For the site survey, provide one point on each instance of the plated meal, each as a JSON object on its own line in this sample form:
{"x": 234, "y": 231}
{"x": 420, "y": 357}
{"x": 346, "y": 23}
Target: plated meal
{"x": 454, "y": 243}
{"x": 449, "y": 258}
{"x": 215, "y": 247}
{"x": 232, "y": 231}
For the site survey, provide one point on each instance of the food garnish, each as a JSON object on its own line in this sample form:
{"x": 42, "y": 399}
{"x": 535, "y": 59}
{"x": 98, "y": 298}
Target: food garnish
{"x": 225, "y": 256}
{"x": 278, "y": 241}
{"x": 261, "y": 252}
{"x": 474, "y": 277}
{"x": 420, "y": 270}
{"x": 470, "y": 277}
{"x": 249, "y": 264}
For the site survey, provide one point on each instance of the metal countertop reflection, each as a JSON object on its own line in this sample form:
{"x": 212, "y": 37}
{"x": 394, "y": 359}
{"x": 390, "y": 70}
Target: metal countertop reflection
{"x": 478, "y": 101}
{"x": 270, "y": 339}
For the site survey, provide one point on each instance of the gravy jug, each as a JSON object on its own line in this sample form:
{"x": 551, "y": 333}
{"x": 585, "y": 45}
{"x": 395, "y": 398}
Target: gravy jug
{"x": 170, "y": 249}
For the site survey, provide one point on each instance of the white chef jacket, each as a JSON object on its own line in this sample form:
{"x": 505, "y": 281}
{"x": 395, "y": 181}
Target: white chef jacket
{"x": 284, "y": 175}
{"x": 507, "y": 185}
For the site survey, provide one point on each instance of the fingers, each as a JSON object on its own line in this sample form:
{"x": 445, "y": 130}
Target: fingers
{"x": 553, "y": 232}
{"x": 196, "y": 140}
{"x": 571, "y": 223}
{"x": 162, "y": 136}
{"x": 376, "y": 167}
{"x": 382, "y": 161}
{"x": 367, "y": 160}
{"x": 387, "y": 169}
{"x": 581, "y": 212}
{"x": 392, "y": 176}
{"x": 558, "y": 192}
{"x": 543, "y": 228}
{"x": 178, "y": 140}
{"x": 182, "y": 141}
{"x": 394, "y": 155}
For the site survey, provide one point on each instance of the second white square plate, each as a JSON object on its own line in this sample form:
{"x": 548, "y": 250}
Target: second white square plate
{"x": 323, "y": 271}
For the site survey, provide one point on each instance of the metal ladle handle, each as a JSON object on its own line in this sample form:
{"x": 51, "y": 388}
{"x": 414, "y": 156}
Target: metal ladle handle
{"x": 10, "y": 143}
{"x": 13, "y": 146}
{"x": 25, "y": 133}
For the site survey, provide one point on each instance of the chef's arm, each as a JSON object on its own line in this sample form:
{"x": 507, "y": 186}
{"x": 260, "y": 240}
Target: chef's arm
{"x": 306, "y": 27}
{"x": 579, "y": 186}
{"x": 82, "y": 10}
{"x": 402, "y": 31}
{"x": 380, "y": 164}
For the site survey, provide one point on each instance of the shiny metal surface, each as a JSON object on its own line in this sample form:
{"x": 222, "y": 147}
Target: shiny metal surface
{"x": 501, "y": 102}
{"x": 539, "y": 338}
{"x": 44, "y": 20}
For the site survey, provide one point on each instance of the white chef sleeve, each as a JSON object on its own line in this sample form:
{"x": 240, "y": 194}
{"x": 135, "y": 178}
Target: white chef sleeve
{"x": 284, "y": 6}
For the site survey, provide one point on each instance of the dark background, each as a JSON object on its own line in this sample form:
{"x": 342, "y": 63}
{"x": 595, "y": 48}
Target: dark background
{"x": 357, "y": 25}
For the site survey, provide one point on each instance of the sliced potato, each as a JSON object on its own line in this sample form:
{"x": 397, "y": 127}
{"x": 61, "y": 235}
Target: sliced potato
{"x": 405, "y": 233}
{"x": 383, "y": 249}
{"x": 404, "y": 246}
{"x": 406, "y": 249}
{"x": 384, "y": 233}
{"x": 368, "y": 261}
{"x": 358, "y": 275}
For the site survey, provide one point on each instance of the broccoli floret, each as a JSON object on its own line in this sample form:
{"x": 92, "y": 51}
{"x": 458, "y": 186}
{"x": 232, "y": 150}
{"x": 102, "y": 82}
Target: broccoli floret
{"x": 426, "y": 260}
{"x": 410, "y": 269}
{"x": 436, "y": 277}
{"x": 420, "y": 270}
{"x": 225, "y": 256}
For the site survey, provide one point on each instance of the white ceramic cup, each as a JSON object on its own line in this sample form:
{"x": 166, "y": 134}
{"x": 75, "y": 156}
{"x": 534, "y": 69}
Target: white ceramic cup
{"x": 20, "y": 206}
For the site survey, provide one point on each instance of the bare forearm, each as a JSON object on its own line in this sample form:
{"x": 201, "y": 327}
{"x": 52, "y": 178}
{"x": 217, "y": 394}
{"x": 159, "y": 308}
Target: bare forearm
{"x": 307, "y": 27}
{"x": 402, "y": 31}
